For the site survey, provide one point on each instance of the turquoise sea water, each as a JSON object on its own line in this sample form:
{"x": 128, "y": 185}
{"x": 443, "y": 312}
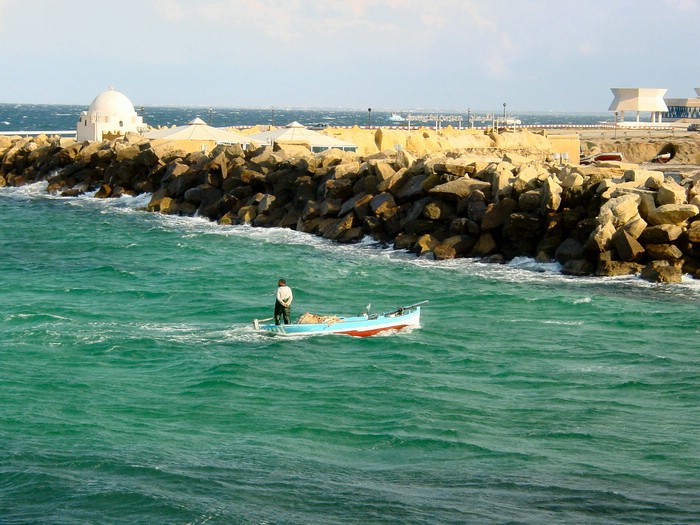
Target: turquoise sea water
{"x": 134, "y": 390}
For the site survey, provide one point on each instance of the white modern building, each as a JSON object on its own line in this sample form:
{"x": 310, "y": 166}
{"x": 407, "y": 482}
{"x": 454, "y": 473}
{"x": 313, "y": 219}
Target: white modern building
{"x": 638, "y": 101}
{"x": 684, "y": 108}
{"x": 110, "y": 114}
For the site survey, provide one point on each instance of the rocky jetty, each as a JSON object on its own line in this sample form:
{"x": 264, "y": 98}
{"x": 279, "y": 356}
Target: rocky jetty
{"x": 495, "y": 203}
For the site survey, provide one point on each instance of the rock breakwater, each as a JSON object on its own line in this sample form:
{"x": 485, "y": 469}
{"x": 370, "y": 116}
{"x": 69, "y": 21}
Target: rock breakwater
{"x": 494, "y": 203}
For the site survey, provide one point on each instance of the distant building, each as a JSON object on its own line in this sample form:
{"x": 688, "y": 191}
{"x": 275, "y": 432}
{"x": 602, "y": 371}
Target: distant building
{"x": 110, "y": 114}
{"x": 638, "y": 100}
{"x": 684, "y": 108}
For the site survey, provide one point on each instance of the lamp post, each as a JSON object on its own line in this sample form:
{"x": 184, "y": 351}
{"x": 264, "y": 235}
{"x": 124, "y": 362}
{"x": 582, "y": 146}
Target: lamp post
{"x": 369, "y": 118}
{"x": 210, "y": 110}
{"x": 504, "y": 112}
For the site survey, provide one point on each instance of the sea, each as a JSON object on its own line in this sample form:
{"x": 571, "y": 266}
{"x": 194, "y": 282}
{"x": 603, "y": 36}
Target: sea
{"x": 42, "y": 117}
{"x": 134, "y": 389}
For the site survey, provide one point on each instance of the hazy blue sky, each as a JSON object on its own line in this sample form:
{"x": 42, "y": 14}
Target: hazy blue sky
{"x": 535, "y": 55}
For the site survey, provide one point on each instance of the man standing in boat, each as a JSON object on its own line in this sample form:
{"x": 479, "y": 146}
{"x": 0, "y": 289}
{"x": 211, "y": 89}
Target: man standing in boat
{"x": 283, "y": 302}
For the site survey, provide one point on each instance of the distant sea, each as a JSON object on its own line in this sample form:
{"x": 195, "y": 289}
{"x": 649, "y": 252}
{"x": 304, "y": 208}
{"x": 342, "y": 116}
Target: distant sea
{"x": 37, "y": 117}
{"x": 133, "y": 389}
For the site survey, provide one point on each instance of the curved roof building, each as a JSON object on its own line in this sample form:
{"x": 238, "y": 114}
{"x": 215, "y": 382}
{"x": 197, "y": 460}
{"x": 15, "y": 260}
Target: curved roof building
{"x": 110, "y": 114}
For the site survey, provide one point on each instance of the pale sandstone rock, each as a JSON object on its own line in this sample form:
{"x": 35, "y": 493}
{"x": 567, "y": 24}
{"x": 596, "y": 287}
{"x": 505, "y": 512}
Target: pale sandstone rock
{"x": 404, "y": 159}
{"x": 668, "y": 252}
{"x": 527, "y": 179}
{"x": 694, "y": 232}
{"x": 347, "y": 168}
{"x": 620, "y": 210}
{"x": 662, "y": 272}
{"x": 627, "y": 247}
{"x": 551, "y": 194}
{"x": 644, "y": 178}
{"x": 572, "y": 180}
{"x": 486, "y": 245}
{"x": 460, "y": 188}
{"x": 662, "y": 234}
{"x": 499, "y": 180}
{"x": 670, "y": 192}
{"x": 516, "y": 160}
{"x": 672, "y": 214}
{"x": 647, "y": 204}
{"x": 599, "y": 240}
{"x": 635, "y": 227}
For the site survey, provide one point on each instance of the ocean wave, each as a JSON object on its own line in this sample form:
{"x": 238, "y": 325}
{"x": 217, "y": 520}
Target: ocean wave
{"x": 521, "y": 270}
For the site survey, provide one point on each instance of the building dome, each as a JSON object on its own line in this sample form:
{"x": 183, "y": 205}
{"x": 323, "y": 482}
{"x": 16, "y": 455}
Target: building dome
{"x": 112, "y": 102}
{"x": 110, "y": 115}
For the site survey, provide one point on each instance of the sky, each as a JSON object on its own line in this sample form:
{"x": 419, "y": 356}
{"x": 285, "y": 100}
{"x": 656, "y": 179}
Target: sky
{"x": 533, "y": 55}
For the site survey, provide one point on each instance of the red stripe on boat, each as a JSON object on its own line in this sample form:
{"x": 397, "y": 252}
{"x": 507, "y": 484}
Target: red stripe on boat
{"x": 374, "y": 331}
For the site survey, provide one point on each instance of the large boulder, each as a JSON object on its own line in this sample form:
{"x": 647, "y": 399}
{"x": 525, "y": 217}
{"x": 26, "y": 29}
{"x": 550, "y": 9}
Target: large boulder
{"x": 693, "y": 232}
{"x": 672, "y": 214}
{"x": 620, "y": 210}
{"x": 458, "y": 189}
{"x": 627, "y": 247}
{"x": 551, "y": 194}
{"x": 569, "y": 250}
{"x": 608, "y": 267}
{"x": 665, "y": 252}
{"x": 497, "y": 214}
{"x": 670, "y": 192}
{"x": 662, "y": 272}
{"x": 437, "y": 210}
{"x": 383, "y": 205}
{"x": 662, "y": 234}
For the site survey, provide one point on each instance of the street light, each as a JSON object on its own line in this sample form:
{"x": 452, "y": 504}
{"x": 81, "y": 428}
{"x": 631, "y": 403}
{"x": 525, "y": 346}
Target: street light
{"x": 369, "y": 118}
{"x": 210, "y": 110}
{"x": 504, "y": 111}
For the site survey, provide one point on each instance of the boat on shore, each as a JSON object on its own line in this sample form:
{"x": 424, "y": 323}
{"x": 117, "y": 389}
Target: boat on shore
{"x": 364, "y": 325}
{"x": 602, "y": 157}
{"x": 662, "y": 158}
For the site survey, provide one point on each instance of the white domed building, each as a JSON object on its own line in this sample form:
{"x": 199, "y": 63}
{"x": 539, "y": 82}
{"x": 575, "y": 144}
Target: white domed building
{"x": 110, "y": 114}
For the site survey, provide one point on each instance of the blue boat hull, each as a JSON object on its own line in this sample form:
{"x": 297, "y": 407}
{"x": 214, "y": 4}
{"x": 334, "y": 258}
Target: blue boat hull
{"x": 360, "y": 326}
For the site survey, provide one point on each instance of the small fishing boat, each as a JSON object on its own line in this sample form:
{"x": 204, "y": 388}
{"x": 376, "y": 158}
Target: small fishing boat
{"x": 359, "y": 326}
{"x": 602, "y": 157}
{"x": 395, "y": 117}
{"x": 662, "y": 158}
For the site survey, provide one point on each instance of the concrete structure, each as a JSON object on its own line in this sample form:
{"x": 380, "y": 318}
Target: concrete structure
{"x": 296, "y": 134}
{"x": 684, "y": 108}
{"x": 639, "y": 100}
{"x": 110, "y": 115}
{"x": 198, "y": 136}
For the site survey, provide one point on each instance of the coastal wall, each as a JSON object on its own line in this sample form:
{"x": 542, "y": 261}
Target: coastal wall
{"x": 506, "y": 198}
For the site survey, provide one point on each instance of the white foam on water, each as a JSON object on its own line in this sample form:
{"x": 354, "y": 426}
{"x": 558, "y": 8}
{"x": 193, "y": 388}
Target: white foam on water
{"x": 522, "y": 270}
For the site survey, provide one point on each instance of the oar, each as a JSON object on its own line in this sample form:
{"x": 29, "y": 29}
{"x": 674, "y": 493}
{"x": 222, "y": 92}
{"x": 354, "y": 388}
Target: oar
{"x": 406, "y": 308}
{"x": 256, "y": 322}
{"x": 413, "y": 305}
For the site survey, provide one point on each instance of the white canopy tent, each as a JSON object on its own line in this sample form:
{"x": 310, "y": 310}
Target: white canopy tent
{"x": 295, "y": 133}
{"x": 198, "y": 130}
